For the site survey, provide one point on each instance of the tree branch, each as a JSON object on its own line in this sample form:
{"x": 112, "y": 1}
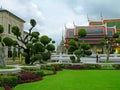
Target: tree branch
{"x": 28, "y": 33}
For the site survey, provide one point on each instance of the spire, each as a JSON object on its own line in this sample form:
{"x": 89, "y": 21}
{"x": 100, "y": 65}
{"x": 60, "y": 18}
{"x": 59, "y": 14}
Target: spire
{"x": 101, "y": 16}
{"x": 74, "y": 24}
{"x": 1, "y": 4}
{"x": 65, "y": 26}
{"x": 62, "y": 36}
{"x": 88, "y": 18}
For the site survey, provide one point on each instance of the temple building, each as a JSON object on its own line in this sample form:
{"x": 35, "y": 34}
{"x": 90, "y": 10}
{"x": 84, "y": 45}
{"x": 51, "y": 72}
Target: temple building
{"x": 96, "y": 30}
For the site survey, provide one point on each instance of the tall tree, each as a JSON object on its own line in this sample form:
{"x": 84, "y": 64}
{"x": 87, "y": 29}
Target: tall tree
{"x": 109, "y": 43}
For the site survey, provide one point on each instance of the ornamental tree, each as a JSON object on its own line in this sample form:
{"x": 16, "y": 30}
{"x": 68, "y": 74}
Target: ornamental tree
{"x": 33, "y": 46}
{"x": 6, "y": 41}
{"x": 77, "y": 47}
{"x": 110, "y": 43}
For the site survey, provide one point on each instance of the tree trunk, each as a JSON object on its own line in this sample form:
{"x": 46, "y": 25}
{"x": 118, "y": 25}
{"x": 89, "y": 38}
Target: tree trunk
{"x": 27, "y": 58}
{"x": 108, "y": 53}
{"x": 2, "y": 56}
{"x": 78, "y": 59}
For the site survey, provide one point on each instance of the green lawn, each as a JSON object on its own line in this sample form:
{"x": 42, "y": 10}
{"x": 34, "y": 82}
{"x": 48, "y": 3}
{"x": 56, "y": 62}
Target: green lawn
{"x": 77, "y": 80}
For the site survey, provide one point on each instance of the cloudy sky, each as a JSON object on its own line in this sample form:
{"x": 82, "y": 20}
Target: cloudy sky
{"x": 52, "y": 15}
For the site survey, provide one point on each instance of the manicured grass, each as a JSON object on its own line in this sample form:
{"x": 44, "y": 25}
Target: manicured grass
{"x": 1, "y": 88}
{"x": 77, "y": 80}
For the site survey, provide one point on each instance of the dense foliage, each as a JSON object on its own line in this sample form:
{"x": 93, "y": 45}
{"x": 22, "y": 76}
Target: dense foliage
{"x": 78, "y": 47}
{"x": 110, "y": 44}
{"x": 34, "y": 47}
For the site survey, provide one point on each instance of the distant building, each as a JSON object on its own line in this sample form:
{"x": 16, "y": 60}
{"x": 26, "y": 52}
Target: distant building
{"x": 8, "y": 19}
{"x": 61, "y": 48}
{"x": 95, "y": 32}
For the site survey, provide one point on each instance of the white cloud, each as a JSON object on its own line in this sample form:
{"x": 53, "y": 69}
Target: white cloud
{"x": 79, "y": 10}
{"x": 51, "y": 15}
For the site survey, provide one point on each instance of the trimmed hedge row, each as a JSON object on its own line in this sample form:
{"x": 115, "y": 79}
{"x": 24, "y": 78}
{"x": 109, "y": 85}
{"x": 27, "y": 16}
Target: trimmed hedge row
{"x": 84, "y": 67}
{"x": 94, "y": 67}
{"x": 31, "y": 75}
{"x": 2, "y": 88}
{"x": 28, "y": 77}
{"x": 9, "y": 80}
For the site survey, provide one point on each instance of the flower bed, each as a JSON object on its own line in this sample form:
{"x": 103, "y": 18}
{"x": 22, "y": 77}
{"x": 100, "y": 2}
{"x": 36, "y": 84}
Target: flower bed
{"x": 28, "y": 77}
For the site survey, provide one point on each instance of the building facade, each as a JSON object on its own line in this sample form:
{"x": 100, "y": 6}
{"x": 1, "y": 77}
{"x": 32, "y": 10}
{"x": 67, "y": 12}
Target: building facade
{"x": 95, "y": 32}
{"x": 8, "y": 20}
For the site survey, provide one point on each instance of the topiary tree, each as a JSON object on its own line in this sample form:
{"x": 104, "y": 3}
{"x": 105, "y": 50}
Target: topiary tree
{"x": 72, "y": 58}
{"x": 75, "y": 46}
{"x": 33, "y": 45}
{"x": 82, "y": 33}
{"x": 109, "y": 43}
{"x": 6, "y": 41}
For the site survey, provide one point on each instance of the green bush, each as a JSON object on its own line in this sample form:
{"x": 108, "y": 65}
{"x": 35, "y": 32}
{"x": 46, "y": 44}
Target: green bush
{"x": 2, "y": 88}
{"x": 38, "y": 73}
{"x": 9, "y": 80}
{"x": 62, "y": 65}
{"x": 46, "y": 56}
{"x": 72, "y": 58}
{"x": 48, "y": 67}
{"x": 47, "y": 72}
{"x": 92, "y": 66}
{"x": 116, "y": 66}
{"x": 107, "y": 67}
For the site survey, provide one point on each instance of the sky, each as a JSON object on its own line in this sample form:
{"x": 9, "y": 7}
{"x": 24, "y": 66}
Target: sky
{"x": 53, "y": 15}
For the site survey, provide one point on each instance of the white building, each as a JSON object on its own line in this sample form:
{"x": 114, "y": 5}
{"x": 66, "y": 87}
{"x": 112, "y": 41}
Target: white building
{"x": 8, "y": 19}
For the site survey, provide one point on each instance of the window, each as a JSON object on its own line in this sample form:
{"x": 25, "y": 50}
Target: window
{"x": 71, "y": 33}
{"x": 109, "y": 33}
{"x": 9, "y": 28}
{"x": 94, "y": 31}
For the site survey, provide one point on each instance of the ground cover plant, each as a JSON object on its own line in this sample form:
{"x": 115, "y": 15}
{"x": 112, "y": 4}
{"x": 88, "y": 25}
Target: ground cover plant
{"x": 6, "y": 67}
{"x": 77, "y": 80}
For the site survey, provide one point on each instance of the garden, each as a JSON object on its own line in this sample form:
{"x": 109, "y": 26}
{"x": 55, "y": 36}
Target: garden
{"x": 77, "y": 80}
{"x": 64, "y": 77}
{"x": 74, "y": 76}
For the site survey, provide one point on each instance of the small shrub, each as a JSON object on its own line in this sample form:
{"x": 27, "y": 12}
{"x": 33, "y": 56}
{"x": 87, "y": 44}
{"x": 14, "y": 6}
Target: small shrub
{"x": 58, "y": 68}
{"x": 75, "y": 67}
{"x": 9, "y": 80}
{"x": 62, "y": 65}
{"x": 52, "y": 68}
{"x": 6, "y": 87}
{"x": 116, "y": 66}
{"x": 48, "y": 72}
{"x": 2, "y": 88}
{"x": 28, "y": 77}
{"x": 107, "y": 67}
{"x": 38, "y": 73}
{"x": 72, "y": 58}
{"x": 92, "y": 66}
